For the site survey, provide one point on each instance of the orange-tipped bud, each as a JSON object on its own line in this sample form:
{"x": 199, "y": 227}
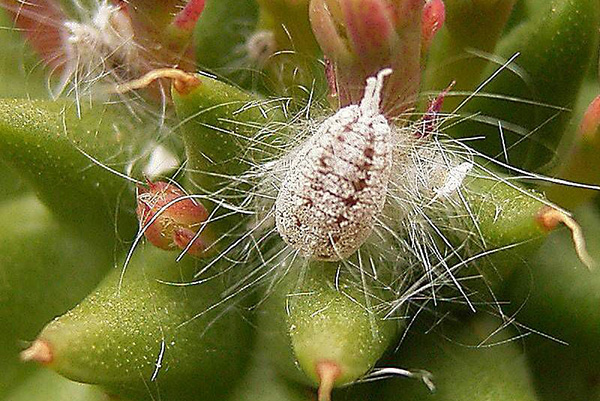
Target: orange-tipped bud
{"x": 362, "y": 37}
{"x": 169, "y": 219}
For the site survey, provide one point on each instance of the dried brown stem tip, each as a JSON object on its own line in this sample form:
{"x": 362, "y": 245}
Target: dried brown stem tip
{"x": 549, "y": 218}
{"x": 183, "y": 82}
{"x": 328, "y": 372}
{"x": 39, "y": 352}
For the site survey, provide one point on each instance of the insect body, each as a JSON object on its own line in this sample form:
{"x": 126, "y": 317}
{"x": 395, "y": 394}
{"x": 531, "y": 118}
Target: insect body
{"x": 337, "y": 181}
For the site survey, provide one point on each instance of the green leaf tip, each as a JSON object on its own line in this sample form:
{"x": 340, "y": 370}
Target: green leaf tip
{"x": 333, "y": 335}
{"x": 141, "y": 333}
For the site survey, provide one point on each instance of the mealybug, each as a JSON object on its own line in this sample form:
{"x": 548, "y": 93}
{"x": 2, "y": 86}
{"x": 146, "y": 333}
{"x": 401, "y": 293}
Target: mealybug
{"x": 337, "y": 180}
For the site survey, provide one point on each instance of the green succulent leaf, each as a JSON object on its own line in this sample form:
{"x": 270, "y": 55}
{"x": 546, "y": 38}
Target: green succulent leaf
{"x": 466, "y": 366}
{"x": 225, "y": 129}
{"x": 558, "y": 295}
{"x": 137, "y": 336}
{"x": 555, "y": 50}
{"x": 38, "y": 260}
{"x": 59, "y": 154}
{"x": 310, "y": 323}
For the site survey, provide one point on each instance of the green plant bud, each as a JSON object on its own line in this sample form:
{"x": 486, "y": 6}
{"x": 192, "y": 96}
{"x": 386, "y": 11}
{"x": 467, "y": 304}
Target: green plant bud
{"x": 45, "y": 385}
{"x": 59, "y": 154}
{"x": 224, "y": 129}
{"x": 221, "y": 40}
{"x": 544, "y": 78}
{"x": 139, "y": 337}
{"x": 470, "y": 26}
{"x": 558, "y": 296}
{"x": 465, "y": 364}
{"x": 322, "y": 333}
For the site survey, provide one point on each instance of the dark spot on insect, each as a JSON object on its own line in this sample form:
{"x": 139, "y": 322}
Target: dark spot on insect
{"x": 341, "y": 219}
{"x": 369, "y": 153}
{"x": 341, "y": 138}
{"x": 350, "y": 201}
{"x": 308, "y": 202}
{"x": 297, "y": 221}
{"x": 322, "y": 161}
{"x": 359, "y": 185}
{"x": 335, "y": 238}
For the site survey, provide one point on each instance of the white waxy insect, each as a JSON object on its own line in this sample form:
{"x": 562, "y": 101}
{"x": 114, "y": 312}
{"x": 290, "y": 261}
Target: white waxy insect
{"x": 101, "y": 45}
{"x": 454, "y": 180}
{"x": 337, "y": 181}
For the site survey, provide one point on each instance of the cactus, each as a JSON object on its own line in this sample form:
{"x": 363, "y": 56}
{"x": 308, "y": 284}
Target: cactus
{"x": 299, "y": 199}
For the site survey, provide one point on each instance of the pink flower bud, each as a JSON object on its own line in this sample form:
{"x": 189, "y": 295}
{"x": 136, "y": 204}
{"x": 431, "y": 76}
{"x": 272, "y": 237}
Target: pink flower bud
{"x": 434, "y": 15}
{"x": 175, "y": 226}
{"x": 362, "y": 37}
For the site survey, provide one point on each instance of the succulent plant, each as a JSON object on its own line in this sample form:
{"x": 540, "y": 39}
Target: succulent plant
{"x": 299, "y": 200}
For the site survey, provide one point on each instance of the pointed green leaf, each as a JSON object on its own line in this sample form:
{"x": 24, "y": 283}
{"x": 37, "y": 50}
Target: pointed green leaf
{"x": 41, "y": 276}
{"x": 313, "y": 320}
{"x": 139, "y": 337}
{"x": 225, "y": 130}
{"x": 59, "y": 154}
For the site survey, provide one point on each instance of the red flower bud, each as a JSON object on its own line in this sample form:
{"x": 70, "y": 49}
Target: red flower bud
{"x": 170, "y": 223}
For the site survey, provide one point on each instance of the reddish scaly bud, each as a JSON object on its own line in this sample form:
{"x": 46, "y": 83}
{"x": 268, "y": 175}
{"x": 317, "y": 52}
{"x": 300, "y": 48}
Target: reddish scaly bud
{"x": 434, "y": 15}
{"x": 362, "y": 37}
{"x": 171, "y": 220}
